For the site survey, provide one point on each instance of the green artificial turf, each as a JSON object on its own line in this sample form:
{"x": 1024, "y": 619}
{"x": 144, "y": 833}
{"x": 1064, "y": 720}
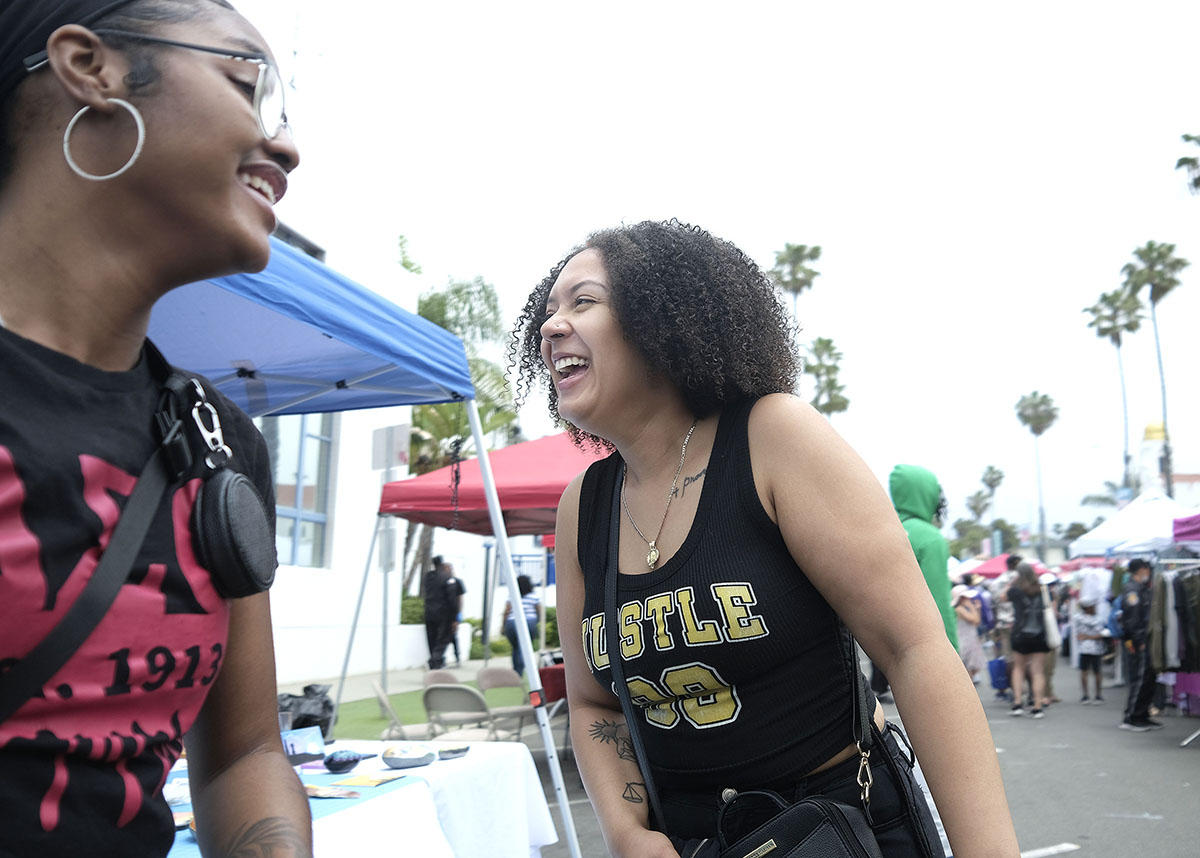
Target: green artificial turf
{"x": 360, "y": 719}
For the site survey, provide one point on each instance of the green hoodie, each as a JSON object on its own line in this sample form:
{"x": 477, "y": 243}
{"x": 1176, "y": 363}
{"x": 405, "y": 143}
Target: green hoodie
{"x": 915, "y": 495}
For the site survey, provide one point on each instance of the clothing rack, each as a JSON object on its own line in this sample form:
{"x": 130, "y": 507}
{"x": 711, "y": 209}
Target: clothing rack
{"x": 1183, "y": 565}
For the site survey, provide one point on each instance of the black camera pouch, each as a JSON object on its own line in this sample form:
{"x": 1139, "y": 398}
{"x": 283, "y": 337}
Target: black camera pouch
{"x": 232, "y": 535}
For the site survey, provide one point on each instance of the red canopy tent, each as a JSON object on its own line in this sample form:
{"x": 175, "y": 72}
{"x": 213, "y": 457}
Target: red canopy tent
{"x": 530, "y": 477}
{"x": 996, "y": 567}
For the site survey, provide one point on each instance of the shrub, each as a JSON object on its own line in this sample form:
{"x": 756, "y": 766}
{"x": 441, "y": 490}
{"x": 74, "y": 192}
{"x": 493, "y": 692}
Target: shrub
{"x": 412, "y": 610}
{"x": 499, "y": 644}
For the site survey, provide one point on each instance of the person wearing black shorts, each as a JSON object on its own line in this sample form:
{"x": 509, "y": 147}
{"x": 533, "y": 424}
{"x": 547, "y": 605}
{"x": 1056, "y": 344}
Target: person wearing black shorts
{"x": 1090, "y": 632}
{"x": 1028, "y": 639}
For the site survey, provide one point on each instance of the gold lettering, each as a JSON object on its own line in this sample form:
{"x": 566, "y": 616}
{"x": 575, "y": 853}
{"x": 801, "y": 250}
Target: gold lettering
{"x": 696, "y": 633}
{"x": 631, "y": 630}
{"x": 657, "y": 706}
{"x": 706, "y": 699}
{"x": 658, "y": 607}
{"x": 740, "y": 624}
{"x": 599, "y": 648}
{"x": 585, "y": 639}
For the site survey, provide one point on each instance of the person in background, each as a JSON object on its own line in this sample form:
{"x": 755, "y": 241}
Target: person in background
{"x": 918, "y": 499}
{"x": 531, "y": 614}
{"x": 967, "y": 614}
{"x": 1135, "y": 621}
{"x": 443, "y": 609}
{"x": 143, "y": 145}
{"x": 1054, "y": 591}
{"x": 1002, "y": 634}
{"x": 978, "y": 591}
{"x": 1089, "y": 628}
{"x": 738, "y": 511}
{"x": 1028, "y": 639}
{"x": 454, "y": 640}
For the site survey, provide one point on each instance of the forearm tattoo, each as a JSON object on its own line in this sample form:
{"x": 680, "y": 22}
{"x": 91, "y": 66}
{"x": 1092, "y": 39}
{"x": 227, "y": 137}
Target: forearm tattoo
{"x": 274, "y": 837}
{"x": 617, "y": 734}
{"x": 606, "y": 732}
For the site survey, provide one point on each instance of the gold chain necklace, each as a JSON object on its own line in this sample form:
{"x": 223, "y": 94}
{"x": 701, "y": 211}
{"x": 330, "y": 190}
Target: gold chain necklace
{"x": 652, "y": 554}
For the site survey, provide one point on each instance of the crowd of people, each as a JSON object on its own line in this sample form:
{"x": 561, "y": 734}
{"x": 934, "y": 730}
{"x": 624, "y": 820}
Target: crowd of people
{"x": 1103, "y": 613}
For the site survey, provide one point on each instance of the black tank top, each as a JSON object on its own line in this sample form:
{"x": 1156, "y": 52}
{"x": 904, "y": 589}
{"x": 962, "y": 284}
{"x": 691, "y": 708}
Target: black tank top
{"x": 740, "y": 666}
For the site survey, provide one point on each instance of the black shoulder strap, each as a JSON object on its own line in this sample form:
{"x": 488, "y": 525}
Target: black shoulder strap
{"x": 25, "y": 679}
{"x": 613, "y": 636}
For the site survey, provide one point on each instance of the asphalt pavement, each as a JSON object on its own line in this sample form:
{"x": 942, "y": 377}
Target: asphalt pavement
{"x": 1077, "y": 785}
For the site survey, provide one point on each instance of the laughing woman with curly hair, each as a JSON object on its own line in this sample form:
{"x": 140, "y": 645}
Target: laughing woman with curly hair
{"x": 750, "y": 539}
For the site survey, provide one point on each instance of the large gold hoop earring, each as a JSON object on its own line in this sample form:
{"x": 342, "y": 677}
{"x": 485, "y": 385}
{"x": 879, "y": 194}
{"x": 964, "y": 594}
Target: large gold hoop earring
{"x": 137, "y": 150}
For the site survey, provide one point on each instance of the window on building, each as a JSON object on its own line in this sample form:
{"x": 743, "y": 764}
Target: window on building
{"x": 301, "y": 448}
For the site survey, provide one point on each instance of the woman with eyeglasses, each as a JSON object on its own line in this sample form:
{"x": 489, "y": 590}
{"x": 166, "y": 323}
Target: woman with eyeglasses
{"x": 749, "y": 537}
{"x": 143, "y": 145}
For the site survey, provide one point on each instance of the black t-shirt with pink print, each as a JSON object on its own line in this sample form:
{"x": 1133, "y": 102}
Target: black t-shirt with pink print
{"x": 82, "y": 765}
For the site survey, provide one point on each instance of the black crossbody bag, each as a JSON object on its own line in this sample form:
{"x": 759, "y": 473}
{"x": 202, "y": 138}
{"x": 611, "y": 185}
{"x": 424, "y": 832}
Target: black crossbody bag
{"x": 813, "y": 827}
{"x": 231, "y": 533}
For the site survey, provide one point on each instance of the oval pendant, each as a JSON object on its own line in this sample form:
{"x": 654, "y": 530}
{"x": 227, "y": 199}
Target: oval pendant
{"x": 652, "y": 556}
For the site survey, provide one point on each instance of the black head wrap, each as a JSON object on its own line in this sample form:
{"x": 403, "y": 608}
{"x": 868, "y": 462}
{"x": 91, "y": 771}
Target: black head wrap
{"x": 25, "y": 25}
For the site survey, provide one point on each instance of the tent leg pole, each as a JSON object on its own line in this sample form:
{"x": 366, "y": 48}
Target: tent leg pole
{"x": 383, "y": 628}
{"x": 514, "y": 596}
{"x": 337, "y": 703}
{"x": 488, "y": 585}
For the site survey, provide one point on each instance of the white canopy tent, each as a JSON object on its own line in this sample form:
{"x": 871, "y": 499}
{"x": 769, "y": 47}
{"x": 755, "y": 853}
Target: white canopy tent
{"x": 1145, "y": 525}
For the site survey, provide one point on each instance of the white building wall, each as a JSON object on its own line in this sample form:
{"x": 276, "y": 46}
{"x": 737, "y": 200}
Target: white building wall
{"x": 312, "y": 609}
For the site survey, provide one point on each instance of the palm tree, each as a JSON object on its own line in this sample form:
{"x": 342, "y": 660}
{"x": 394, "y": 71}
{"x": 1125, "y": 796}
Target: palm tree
{"x": 441, "y": 433}
{"x": 1117, "y": 313}
{"x": 1192, "y": 164}
{"x": 992, "y": 478}
{"x": 1108, "y": 498}
{"x": 792, "y": 273}
{"x": 824, "y": 358}
{"x": 1038, "y": 412}
{"x": 977, "y": 504}
{"x": 1158, "y": 267}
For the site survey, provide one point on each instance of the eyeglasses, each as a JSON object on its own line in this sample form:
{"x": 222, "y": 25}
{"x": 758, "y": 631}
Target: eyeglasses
{"x": 268, "y": 87}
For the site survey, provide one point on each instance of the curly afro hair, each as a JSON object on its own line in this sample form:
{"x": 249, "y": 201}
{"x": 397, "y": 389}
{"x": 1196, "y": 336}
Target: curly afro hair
{"x": 699, "y": 311}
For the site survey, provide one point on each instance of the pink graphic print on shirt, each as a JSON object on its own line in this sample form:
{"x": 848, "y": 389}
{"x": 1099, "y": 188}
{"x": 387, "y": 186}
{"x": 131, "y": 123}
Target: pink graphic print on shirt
{"x": 139, "y": 680}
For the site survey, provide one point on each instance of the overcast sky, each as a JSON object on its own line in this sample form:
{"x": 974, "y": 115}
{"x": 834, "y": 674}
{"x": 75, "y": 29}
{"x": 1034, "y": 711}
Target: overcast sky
{"x": 976, "y": 175}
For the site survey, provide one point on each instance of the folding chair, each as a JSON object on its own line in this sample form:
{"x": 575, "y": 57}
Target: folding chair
{"x": 505, "y": 677}
{"x": 451, "y": 706}
{"x": 439, "y": 677}
{"x": 394, "y": 730}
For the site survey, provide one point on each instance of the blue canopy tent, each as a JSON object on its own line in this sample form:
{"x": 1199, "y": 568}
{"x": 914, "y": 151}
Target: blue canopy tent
{"x": 300, "y": 338}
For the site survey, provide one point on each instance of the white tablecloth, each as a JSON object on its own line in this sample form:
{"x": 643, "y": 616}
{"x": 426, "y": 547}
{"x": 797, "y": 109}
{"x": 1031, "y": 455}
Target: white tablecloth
{"x": 486, "y": 803}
